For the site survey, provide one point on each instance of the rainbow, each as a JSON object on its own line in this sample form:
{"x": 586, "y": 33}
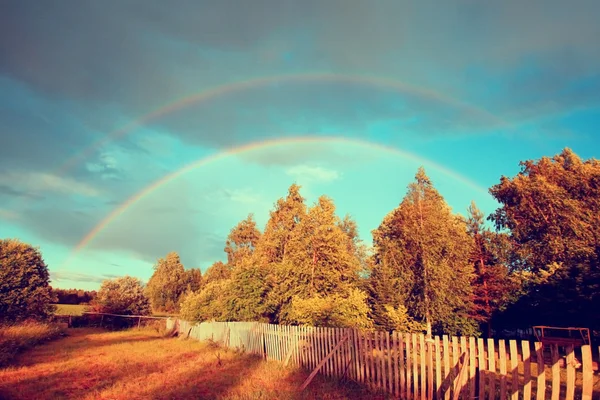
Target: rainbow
{"x": 254, "y": 147}
{"x": 233, "y": 87}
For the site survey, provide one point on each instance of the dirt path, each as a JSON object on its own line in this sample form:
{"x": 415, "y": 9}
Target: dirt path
{"x": 95, "y": 364}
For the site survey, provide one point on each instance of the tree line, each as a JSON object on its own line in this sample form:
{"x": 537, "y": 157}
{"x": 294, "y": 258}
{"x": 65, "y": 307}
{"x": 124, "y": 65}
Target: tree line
{"x": 535, "y": 261}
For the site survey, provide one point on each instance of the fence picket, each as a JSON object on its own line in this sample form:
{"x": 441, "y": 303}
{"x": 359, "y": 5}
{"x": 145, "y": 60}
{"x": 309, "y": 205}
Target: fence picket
{"x": 540, "y": 387}
{"x": 397, "y": 389}
{"x": 390, "y": 372}
{"x": 408, "y": 348}
{"x": 447, "y": 374}
{"x": 422, "y": 361}
{"x": 555, "y": 372}
{"x": 570, "y": 372}
{"x": 492, "y": 369}
{"x": 502, "y": 362}
{"x": 438, "y": 368}
{"x": 514, "y": 366}
{"x": 588, "y": 373}
{"x": 415, "y": 364}
{"x": 526, "y": 370}
{"x": 472, "y": 367}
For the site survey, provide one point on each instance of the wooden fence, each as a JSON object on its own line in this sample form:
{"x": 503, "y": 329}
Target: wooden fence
{"x": 410, "y": 366}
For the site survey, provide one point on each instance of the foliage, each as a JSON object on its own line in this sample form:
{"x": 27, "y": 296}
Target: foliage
{"x": 193, "y": 279}
{"x": 206, "y": 305}
{"x": 398, "y": 319}
{"x": 336, "y": 310}
{"x": 73, "y": 296}
{"x": 124, "y": 296}
{"x": 71, "y": 309}
{"x": 242, "y": 241}
{"x": 167, "y": 284}
{"x": 25, "y": 292}
{"x": 551, "y": 209}
{"x": 421, "y": 259}
{"x": 18, "y": 337}
{"x": 216, "y": 272}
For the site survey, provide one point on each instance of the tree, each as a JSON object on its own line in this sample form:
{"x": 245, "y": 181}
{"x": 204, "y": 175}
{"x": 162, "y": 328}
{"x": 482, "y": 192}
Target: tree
{"x": 493, "y": 286}
{"x": 551, "y": 209}
{"x": 167, "y": 284}
{"x": 24, "y": 282}
{"x": 123, "y": 296}
{"x": 208, "y": 304}
{"x": 193, "y": 279}
{"x": 242, "y": 241}
{"x": 421, "y": 261}
{"x": 217, "y": 271}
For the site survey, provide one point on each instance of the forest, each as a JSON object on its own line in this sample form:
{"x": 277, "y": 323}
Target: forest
{"x": 534, "y": 260}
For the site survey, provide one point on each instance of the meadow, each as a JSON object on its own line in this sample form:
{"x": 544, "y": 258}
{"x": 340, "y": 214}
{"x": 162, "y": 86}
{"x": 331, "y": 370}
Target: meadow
{"x": 144, "y": 364}
{"x": 71, "y": 309}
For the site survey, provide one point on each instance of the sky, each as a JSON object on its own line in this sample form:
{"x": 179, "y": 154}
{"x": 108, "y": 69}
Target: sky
{"x": 100, "y": 100}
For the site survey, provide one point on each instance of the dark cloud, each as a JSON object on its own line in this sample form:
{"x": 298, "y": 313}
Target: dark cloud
{"x": 8, "y": 191}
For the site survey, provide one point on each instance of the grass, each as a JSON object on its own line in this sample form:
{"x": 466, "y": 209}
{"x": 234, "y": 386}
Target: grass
{"x": 143, "y": 364}
{"x": 70, "y": 309}
{"x": 16, "y": 338}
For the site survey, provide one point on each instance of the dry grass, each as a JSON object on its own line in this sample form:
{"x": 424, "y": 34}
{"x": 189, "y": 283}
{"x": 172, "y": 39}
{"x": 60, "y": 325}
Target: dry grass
{"x": 143, "y": 364}
{"x": 70, "y": 309}
{"x": 15, "y": 338}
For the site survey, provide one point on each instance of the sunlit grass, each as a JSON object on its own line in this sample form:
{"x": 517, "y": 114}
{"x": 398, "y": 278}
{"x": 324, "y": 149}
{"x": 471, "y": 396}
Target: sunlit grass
{"x": 144, "y": 364}
{"x": 70, "y": 309}
{"x": 16, "y": 338}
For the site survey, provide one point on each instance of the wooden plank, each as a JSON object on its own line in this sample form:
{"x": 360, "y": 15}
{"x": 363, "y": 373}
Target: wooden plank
{"x": 323, "y": 361}
{"x": 430, "y": 367}
{"x": 381, "y": 377}
{"x": 502, "y": 362}
{"x": 328, "y": 347}
{"x": 464, "y": 350}
{"x": 472, "y": 366}
{"x": 462, "y": 375}
{"x": 492, "y": 369}
{"x": 408, "y": 342}
{"x": 401, "y": 367}
{"x": 438, "y": 368}
{"x": 570, "y": 372}
{"x": 368, "y": 358}
{"x": 526, "y": 370}
{"x": 422, "y": 361}
{"x": 588, "y": 373}
{"x": 415, "y": 364}
{"x": 447, "y": 375}
{"x": 555, "y": 372}
{"x": 356, "y": 374}
{"x": 541, "y": 372}
{"x": 482, "y": 367}
{"x": 396, "y": 350}
{"x": 390, "y": 372}
{"x": 514, "y": 367}
{"x": 455, "y": 358}
{"x": 360, "y": 356}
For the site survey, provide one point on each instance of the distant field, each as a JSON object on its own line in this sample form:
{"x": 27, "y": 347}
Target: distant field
{"x": 143, "y": 364}
{"x": 70, "y": 309}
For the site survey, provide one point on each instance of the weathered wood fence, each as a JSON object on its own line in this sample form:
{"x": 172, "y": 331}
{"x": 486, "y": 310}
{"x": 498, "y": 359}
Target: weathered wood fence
{"x": 410, "y": 366}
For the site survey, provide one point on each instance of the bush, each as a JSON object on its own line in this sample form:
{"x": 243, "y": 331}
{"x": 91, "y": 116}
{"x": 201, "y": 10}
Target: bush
{"x": 124, "y": 296}
{"x": 207, "y": 304}
{"x": 25, "y": 292}
{"x": 342, "y": 311}
{"x": 16, "y": 338}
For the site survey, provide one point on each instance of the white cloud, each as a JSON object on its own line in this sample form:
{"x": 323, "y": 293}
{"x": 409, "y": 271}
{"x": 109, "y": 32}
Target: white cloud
{"x": 42, "y": 181}
{"x": 312, "y": 173}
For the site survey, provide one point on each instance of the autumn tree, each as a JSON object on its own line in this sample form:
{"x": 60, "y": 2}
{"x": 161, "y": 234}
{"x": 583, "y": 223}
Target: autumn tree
{"x": 123, "y": 296}
{"x": 493, "y": 286}
{"x": 421, "y": 262}
{"x": 242, "y": 241}
{"x": 552, "y": 210}
{"x": 217, "y": 271}
{"x": 193, "y": 279}
{"x": 24, "y": 282}
{"x": 167, "y": 284}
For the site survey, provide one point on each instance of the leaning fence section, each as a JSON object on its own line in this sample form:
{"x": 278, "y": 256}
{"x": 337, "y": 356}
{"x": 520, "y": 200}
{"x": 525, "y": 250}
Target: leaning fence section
{"x": 412, "y": 366}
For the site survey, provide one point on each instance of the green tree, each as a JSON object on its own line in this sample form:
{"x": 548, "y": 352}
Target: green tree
{"x": 24, "y": 282}
{"x": 421, "y": 261}
{"x": 207, "y": 304}
{"x": 552, "y": 210}
{"x": 167, "y": 284}
{"x": 123, "y": 296}
{"x": 242, "y": 241}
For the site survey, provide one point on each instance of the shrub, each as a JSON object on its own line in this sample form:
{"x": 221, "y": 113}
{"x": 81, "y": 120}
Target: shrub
{"x": 123, "y": 296}
{"x": 25, "y": 292}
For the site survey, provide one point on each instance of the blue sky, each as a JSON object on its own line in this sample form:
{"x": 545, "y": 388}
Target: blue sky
{"x": 462, "y": 86}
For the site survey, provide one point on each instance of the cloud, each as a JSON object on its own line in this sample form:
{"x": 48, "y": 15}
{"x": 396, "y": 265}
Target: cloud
{"x": 75, "y": 276}
{"x": 29, "y": 183}
{"x": 312, "y": 173}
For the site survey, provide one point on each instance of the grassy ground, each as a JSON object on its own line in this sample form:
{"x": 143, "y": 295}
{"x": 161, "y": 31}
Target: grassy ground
{"x": 70, "y": 309}
{"x": 143, "y": 364}
{"x": 16, "y": 338}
